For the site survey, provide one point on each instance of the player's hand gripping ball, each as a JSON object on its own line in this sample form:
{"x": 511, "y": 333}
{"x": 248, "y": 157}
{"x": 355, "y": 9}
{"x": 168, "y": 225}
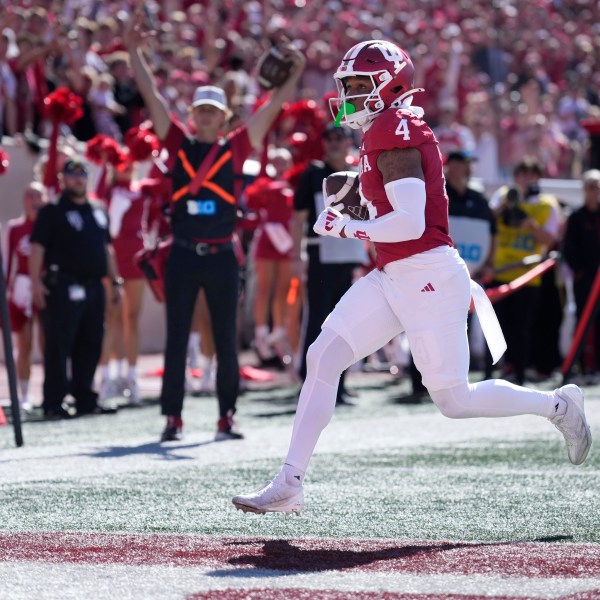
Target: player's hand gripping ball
{"x": 340, "y": 191}
{"x": 330, "y": 222}
{"x": 274, "y": 68}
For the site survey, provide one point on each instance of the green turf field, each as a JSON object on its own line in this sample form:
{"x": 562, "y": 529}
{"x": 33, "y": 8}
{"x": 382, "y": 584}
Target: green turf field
{"x": 382, "y": 470}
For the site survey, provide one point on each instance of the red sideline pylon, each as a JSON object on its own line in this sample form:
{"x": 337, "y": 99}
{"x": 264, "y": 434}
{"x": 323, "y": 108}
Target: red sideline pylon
{"x": 3, "y": 420}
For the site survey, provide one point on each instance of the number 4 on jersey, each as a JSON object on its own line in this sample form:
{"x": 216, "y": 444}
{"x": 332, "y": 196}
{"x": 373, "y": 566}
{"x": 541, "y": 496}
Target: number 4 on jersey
{"x": 402, "y": 129}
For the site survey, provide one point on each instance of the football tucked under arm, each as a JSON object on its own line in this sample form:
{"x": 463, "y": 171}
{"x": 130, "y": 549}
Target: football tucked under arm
{"x": 406, "y": 222}
{"x": 341, "y": 192}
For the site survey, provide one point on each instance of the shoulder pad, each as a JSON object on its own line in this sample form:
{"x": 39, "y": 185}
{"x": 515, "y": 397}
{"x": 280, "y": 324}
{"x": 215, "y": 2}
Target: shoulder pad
{"x": 397, "y": 128}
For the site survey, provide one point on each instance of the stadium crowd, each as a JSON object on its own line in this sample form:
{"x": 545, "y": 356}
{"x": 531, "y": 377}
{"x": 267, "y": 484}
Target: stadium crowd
{"x": 503, "y": 80}
{"x": 520, "y": 76}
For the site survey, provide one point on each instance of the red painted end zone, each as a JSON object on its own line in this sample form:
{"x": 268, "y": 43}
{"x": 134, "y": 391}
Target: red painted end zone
{"x": 309, "y": 594}
{"x": 511, "y": 559}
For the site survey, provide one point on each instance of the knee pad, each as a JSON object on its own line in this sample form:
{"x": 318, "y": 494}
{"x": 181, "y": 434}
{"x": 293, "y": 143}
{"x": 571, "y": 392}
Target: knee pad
{"x": 453, "y": 402}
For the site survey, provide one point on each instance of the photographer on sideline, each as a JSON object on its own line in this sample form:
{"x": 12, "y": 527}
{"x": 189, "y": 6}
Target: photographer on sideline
{"x": 528, "y": 223}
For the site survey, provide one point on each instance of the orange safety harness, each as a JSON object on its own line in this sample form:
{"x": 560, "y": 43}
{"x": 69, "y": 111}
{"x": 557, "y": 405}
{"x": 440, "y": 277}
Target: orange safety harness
{"x": 202, "y": 177}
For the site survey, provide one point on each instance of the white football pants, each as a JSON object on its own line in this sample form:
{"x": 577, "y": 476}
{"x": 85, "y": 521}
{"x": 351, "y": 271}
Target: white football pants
{"x": 427, "y": 296}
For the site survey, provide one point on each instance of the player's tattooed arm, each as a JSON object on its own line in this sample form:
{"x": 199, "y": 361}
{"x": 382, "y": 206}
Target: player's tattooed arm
{"x": 400, "y": 163}
{"x": 405, "y": 190}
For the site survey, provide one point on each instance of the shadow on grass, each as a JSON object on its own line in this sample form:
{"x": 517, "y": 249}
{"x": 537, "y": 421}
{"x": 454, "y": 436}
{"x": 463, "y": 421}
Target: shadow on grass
{"x": 275, "y": 413}
{"x": 283, "y": 555}
{"x": 165, "y": 451}
{"x": 162, "y": 451}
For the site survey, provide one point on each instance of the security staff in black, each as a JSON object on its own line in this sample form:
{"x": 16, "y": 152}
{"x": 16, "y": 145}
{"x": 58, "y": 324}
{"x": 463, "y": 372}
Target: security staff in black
{"x": 70, "y": 255}
{"x": 204, "y": 170}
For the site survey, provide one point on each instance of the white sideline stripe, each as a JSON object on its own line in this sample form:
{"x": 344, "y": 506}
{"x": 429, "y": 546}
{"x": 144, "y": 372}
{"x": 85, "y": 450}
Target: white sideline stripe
{"x": 26, "y": 580}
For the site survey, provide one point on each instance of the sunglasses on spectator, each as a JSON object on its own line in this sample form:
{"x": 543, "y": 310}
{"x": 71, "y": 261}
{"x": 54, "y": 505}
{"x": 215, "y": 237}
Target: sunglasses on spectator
{"x": 79, "y": 173}
{"x": 334, "y": 138}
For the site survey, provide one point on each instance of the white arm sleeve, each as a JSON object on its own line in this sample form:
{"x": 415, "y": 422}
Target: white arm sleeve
{"x": 407, "y": 220}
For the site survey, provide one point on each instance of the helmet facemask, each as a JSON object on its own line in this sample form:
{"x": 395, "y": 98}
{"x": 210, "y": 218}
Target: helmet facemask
{"x": 373, "y": 102}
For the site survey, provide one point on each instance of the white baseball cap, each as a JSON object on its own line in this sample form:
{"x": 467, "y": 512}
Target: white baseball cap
{"x": 210, "y": 94}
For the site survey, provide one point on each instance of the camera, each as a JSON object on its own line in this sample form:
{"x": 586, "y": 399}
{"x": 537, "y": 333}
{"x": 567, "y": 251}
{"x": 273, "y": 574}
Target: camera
{"x": 533, "y": 189}
{"x": 512, "y": 214}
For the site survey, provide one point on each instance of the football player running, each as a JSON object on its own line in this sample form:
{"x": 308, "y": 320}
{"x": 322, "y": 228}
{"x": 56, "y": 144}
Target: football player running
{"x": 421, "y": 285}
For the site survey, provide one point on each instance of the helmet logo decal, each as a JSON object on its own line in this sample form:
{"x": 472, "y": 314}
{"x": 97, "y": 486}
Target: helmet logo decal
{"x": 390, "y": 52}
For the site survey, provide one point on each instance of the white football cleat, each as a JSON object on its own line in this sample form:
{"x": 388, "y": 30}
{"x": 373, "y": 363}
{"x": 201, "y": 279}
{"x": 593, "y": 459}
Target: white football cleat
{"x": 133, "y": 392}
{"x": 573, "y": 424}
{"x": 109, "y": 388}
{"x": 273, "y": 496}
{"x": 25, "y": 404}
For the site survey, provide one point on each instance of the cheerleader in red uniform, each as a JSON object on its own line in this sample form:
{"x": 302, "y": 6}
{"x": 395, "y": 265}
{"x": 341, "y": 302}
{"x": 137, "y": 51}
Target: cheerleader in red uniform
{"x": 22, "y": 312}
{"x": 272, "y": 198}
{"x": 131, "y": 214}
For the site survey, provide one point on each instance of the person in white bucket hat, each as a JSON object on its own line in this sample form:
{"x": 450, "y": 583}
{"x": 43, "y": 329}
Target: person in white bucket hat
{"x": 206, "y": 173}
{"x": 212, "y": 95}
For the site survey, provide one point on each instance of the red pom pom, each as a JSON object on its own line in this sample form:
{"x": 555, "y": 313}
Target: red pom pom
{"x": 292, "y": 176}
{"x": 103, "y": 148}
{"x": 125, "y": 162}
{"x": 142, "y": 143}
{"x": 94, "y": 149}
{"x": 4, "y": 162}
{"x": 306, "y": 115}
{"x": 63, "y": 106}
{"x": 259, "y": 186}
{"x": 114, "y": 154}
{"x": 307, "y": 109}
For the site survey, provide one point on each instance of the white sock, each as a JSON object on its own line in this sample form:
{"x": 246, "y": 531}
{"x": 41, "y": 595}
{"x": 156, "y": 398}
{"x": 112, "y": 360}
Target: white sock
{"x": 205, "y": 362}
{"x": 560, "y": 407}
{"x": 105, "y": 372}
{"x": 113, "y": 368}
{"x": 24, "y": 387}
{"x": 328, "y": 356}
{"x": 261, "y": 332}
{"x": 194, "y": 341}
{"x": 123, "y": 368}
{"x": 279, "y": 333}
{"x": 207, "y": 365}
{"x": 292, "y": 474}
{"x": 132, "y": 373}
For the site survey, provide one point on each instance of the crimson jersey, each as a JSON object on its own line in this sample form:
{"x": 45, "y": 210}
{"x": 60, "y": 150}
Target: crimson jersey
{"x": 18, "y": 247}
{"x": 16, "y": 255}
{"x": 273, "y": 200}
{"x": 132, "y": 222}
{"x": 274, "y": 203}
{"x": 401, "y": 128}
